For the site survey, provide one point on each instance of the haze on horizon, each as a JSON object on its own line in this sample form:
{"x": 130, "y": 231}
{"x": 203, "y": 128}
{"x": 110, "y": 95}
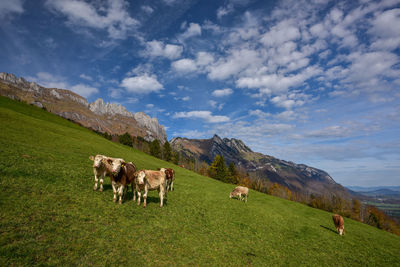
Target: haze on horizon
{"x": 313, "y": 82}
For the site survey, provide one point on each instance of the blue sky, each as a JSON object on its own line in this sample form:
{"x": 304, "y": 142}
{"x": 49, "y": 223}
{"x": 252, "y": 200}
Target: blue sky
{"x": 314, "y": 82}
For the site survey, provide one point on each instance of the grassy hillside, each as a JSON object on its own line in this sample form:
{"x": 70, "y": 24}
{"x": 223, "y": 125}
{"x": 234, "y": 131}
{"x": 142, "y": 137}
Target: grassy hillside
{"x": 49, "y": 213}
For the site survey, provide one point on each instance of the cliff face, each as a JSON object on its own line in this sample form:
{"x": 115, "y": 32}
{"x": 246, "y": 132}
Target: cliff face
{"x": 100, "y": 116}
{"x": 297, "y": 177}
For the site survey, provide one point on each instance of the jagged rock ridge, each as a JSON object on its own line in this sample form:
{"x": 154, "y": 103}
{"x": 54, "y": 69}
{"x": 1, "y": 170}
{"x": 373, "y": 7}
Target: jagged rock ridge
{"x": 297, "y": 177}
{"x": 100, "y": 116}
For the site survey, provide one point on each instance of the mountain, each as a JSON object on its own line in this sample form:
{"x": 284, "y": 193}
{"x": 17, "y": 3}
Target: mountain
{"x": 374, "y": 188}
{"x": 297, "y": 177}
{"x": 100, "y": 116}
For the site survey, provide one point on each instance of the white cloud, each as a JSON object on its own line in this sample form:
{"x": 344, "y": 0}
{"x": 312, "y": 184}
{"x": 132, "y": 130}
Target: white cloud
{"x": 116, "y": 19}
{"x": 147, "y": 9}
{"x": 259, "y": 113}
{"x": 86, "y": 77}
{"x": 184, "y": 65}
{"x": 201, "y": 114}
{"x": 142, "y": 84}
{"x": 149, "y": 105}
{"x": 225, "y": 10}
{"x": 10, "y": 6}
{"x": 194, "y": 29}
{"x": 214, "y": 104}
{"x": 159, "y": 49}
{"x": 282, "y": 32}
{"x": 84, "y": 90}
{"x": 222, "y": 92}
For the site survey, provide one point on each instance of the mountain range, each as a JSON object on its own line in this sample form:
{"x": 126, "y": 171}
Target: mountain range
{"x": 297, "y": 177}
{"x": 99, "y": 116}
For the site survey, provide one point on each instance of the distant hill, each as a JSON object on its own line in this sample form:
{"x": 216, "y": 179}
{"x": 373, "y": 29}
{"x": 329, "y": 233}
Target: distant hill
{"x": 373, "y": 188}
{"x": 297, "y": 177}
{"x": 102, "y": 117}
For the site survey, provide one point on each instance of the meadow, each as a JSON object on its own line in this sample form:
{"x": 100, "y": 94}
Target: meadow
{"x": 50, "y": 215}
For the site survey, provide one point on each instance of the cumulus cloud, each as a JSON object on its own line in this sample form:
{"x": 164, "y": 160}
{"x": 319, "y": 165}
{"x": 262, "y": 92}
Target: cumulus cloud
{"x": 184, "y": 65}
{"x": 142, "y": 84}
{"x": 86, "y": 77}
{"x": 159, "y": 49}
{"x": 192, "y": 30}
{"x": 116, "y": 19}
{"x": 201, "y": 114}
{"x": 222, "y": 92}
{"x": 10, "y": 7}
{"x": 224, "y": 10}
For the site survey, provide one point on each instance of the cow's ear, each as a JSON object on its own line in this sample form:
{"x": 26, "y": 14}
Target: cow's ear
{"x": 109, "y": 161}
{"x": 91, "y": 158}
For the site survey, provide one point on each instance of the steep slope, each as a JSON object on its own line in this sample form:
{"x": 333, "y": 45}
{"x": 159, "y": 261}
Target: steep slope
{"x": 51, "y": 216}
{"x": 103, "y": 117}
{"x": 297, "y": 177}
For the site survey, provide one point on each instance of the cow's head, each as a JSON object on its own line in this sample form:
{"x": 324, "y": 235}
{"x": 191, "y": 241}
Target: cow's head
{"x": 231, "y": 195}
{"x": 116, "y": 165}
{"x": 97, "y": 160}
{"x": 140, "y": 177}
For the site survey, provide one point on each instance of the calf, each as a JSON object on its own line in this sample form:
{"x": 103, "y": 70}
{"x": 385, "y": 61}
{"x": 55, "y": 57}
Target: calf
{"x": 239, "y": 191}
{"x": 150, "y": 180}
{"x": 123, "y": 175}
{"x": 101, "y": 168}
{"x": 339, "y": 223}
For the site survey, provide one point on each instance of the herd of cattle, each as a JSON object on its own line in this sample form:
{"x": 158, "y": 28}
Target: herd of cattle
{"x": 123, "y": 174}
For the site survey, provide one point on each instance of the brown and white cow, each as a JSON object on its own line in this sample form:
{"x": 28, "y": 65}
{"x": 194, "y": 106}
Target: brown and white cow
{"x": 170, "y": 176}
{"x": 101, "y": 168}
{"x": 147, "y": 180}
{"x": 123, "y": 174}
{"x": 339, "y": 223}
{"x": 240, "y": 191}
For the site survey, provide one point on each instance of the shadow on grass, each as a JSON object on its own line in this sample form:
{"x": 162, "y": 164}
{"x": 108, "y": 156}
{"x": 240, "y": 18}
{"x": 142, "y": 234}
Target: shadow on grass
{"x": 327, "y": 228}
{"x": 150, "y": 199}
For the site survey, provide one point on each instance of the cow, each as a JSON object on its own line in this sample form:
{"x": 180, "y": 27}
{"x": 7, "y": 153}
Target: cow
{"x": 239, "y": 191}
{"x": 123, "y": 174}
{"x": 147, "y": 180}
{"x": 170, "y": 176}
{"x": 339, "y": 223}
{"x": 101, "y": 168}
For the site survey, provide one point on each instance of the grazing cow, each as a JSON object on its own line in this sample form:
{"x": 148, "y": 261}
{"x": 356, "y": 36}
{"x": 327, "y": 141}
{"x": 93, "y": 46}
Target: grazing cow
{"x": 123, "y": 175}
{"x": 170, "y": 176}
{"x": 150, "y": 180}
{"x": 101, "y": 168}
{"x": 239, "y": 191}
{"x": 339, "y": 223}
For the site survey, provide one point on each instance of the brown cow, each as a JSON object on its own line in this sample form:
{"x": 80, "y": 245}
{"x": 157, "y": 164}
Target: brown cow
{"x": 339, "y": 223}
{"x": 150, "y": 180}
{"x": 123, "y": 175}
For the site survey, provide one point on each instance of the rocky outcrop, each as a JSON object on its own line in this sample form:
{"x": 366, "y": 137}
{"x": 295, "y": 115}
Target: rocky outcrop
{"x": 297, "y": 177}
{"x": 100, "y": 116}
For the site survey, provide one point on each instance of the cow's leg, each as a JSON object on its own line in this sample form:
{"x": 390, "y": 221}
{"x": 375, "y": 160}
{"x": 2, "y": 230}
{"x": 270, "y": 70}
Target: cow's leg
{"x": 246, "y": 198}
{"x": 101, "y": 181}
{"x": 121, "y": 192}
{"x": 133, "y": 192}
{"x": 114, "y": 186}
{"x": 138, "y": 195}
{"x": 145, "y": 196}
{"x": 95, "y": 182}
{"x": 172, "y": 186}
{"x": 161, "y": 194}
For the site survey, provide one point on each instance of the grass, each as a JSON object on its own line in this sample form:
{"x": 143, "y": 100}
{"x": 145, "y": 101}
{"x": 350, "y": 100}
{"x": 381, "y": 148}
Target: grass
{"x": 49, "y": 214}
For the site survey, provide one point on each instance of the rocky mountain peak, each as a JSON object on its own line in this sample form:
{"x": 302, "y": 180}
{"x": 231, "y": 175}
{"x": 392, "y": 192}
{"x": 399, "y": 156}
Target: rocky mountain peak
{"x": 154, "y": 129}
{"x": 101, "y": 108}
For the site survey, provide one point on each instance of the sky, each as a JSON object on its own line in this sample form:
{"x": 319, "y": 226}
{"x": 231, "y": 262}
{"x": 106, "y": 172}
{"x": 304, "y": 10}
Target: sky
{"x": 313, "y": 82}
